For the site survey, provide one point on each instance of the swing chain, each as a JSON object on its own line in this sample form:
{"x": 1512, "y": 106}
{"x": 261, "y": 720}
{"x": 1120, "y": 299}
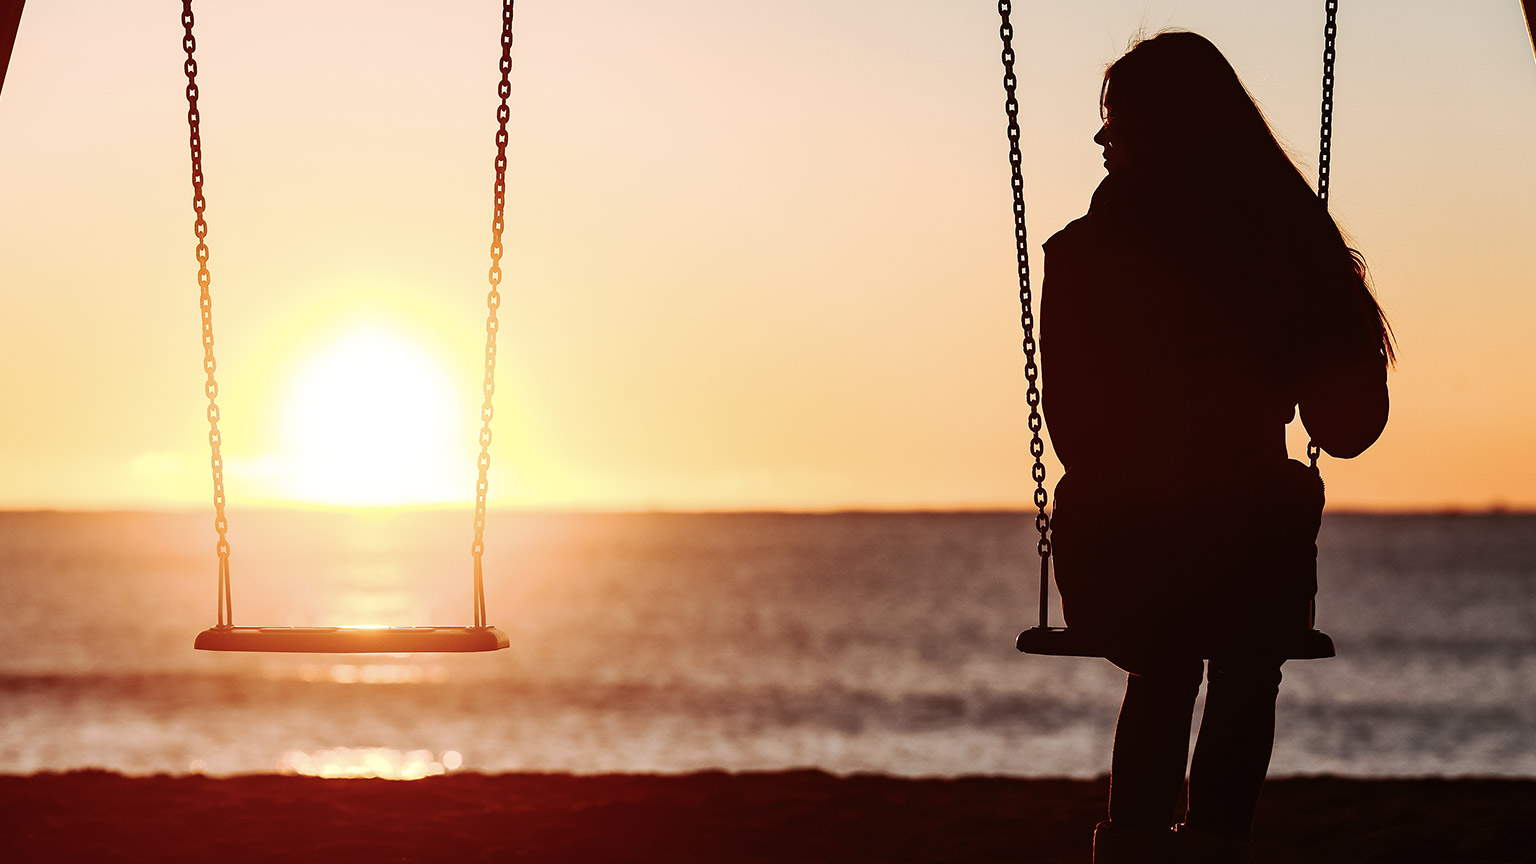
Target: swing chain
{"x": 1325, "y": 129}
{"x": 492, "y": 303}
{"x": 1325, "y": 138}
{"x": 1026, "y": 305}
{"x": 204, "y": 281}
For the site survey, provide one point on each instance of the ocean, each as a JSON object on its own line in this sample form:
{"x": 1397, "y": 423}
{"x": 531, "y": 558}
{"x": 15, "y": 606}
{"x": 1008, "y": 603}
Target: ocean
{"x": 858, "y": 642}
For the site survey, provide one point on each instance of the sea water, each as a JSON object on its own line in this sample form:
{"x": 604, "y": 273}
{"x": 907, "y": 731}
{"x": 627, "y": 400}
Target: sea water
{"x": 851, "y": 642}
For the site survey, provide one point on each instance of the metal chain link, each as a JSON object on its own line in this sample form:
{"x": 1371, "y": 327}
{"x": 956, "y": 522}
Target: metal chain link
{"x": 1026, "y": 309}
{"x": 1325, "y": 132}
{"x": 1325, "y": 136}
{"x": 204, "y": 280}
{"x": 492, "y": 303}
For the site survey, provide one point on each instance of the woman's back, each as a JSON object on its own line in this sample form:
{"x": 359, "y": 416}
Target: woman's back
{"x": 1154, "y": 355}
{"x": 1172, "y": 343}
{"x": 1207, "y": 291}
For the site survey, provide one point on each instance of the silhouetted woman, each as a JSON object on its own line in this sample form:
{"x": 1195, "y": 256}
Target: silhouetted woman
{"x": 1206, "y": 294}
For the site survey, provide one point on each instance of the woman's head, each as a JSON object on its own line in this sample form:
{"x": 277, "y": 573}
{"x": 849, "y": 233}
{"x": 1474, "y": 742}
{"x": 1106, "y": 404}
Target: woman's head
{"x": 1175, "y": 110}
{"x": 1173, "y": 102}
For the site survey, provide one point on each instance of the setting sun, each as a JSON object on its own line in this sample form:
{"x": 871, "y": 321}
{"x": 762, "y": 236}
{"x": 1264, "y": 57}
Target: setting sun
{"x": 372, "y": 419}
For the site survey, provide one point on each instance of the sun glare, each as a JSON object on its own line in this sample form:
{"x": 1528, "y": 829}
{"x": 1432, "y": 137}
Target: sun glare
{"x": 369, "y": 762}
{"x": 373, "y": 420}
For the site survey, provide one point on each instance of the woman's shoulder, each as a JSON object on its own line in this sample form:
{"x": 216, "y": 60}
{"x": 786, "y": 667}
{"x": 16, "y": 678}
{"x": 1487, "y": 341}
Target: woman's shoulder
{"x": 1119, "y": 202}
{"x": 1076, "y": 235}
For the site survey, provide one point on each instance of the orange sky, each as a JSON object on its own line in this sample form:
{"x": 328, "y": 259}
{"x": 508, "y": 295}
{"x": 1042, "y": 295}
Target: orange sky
{"x": 759, "y": 254}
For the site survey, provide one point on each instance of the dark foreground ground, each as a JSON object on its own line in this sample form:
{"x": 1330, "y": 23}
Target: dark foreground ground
{"x": 801, "y": 816}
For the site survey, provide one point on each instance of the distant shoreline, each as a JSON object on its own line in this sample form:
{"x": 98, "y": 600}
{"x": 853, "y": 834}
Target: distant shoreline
{"x": 1438, "y": 512}
{"x": 800, "y": 816}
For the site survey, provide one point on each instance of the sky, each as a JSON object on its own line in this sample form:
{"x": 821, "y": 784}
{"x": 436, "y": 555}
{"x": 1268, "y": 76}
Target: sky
{"x": 759, "y": 255}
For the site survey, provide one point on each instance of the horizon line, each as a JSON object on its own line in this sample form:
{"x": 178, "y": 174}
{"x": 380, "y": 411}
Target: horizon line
{"x": 850, "y": 510}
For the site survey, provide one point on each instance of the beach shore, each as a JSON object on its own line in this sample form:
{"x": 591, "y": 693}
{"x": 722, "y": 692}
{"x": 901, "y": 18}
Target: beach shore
{"x": 797, "y": 816}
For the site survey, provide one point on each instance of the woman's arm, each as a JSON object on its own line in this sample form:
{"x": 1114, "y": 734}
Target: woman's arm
{"x": 1344, "y": 404}
{"x": 1073, "y": 367}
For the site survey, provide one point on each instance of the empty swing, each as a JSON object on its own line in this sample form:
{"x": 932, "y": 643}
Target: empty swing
{"x": 1044, "y": 639}
{"x": 225, "y": 636}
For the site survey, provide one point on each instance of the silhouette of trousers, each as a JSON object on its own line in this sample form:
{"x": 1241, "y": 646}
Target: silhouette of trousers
{"x": 1237, "y": 733}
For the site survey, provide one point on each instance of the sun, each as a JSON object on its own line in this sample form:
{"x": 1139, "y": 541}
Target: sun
{"x": 372, "y": 419}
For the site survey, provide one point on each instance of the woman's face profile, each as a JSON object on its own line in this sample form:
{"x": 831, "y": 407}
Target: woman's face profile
{"x": 1114, "y": 151}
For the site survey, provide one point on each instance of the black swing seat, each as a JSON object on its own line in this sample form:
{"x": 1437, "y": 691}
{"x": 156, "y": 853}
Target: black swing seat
{"x": 352, "y": 640}
{"x": 1065, "y": 642}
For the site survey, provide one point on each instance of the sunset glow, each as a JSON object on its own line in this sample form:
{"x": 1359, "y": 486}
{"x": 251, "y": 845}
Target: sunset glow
{"x": 757, "y": 255}
{"x": 372, "y": 420}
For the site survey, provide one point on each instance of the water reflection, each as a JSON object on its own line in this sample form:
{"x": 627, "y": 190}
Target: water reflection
{"x": 369, "y": 580}
{"x": 369, "y": 762}
{"x": 370, "y": 588}
{"x": 371, "y": 673}
{"x": 308, "y": 569}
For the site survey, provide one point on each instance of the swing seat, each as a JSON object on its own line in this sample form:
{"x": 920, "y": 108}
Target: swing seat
{"x": 352, "y": 640}
{"x": 1064, "y": 642}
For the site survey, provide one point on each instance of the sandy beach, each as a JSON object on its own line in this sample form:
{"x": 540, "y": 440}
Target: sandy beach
{"x": 712, "y": 817}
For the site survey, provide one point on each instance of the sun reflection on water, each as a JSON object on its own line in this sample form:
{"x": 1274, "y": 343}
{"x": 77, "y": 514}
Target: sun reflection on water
{"x": 383, "y": 763}
{"x": 357, "y": 673}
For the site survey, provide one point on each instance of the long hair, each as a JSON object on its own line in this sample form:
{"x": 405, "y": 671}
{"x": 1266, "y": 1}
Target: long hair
{"x": 1182, "y": 115}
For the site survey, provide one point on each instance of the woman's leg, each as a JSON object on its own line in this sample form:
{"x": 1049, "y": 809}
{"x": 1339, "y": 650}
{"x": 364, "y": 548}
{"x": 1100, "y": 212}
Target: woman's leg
{"x": 1237, "y": 734}
{"x": 1146, "y": 783}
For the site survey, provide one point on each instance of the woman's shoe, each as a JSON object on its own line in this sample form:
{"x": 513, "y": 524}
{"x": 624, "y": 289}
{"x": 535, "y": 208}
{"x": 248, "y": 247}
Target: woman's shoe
{"x": 1197, "y": 847}
{"x": 1119, "y": 844}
